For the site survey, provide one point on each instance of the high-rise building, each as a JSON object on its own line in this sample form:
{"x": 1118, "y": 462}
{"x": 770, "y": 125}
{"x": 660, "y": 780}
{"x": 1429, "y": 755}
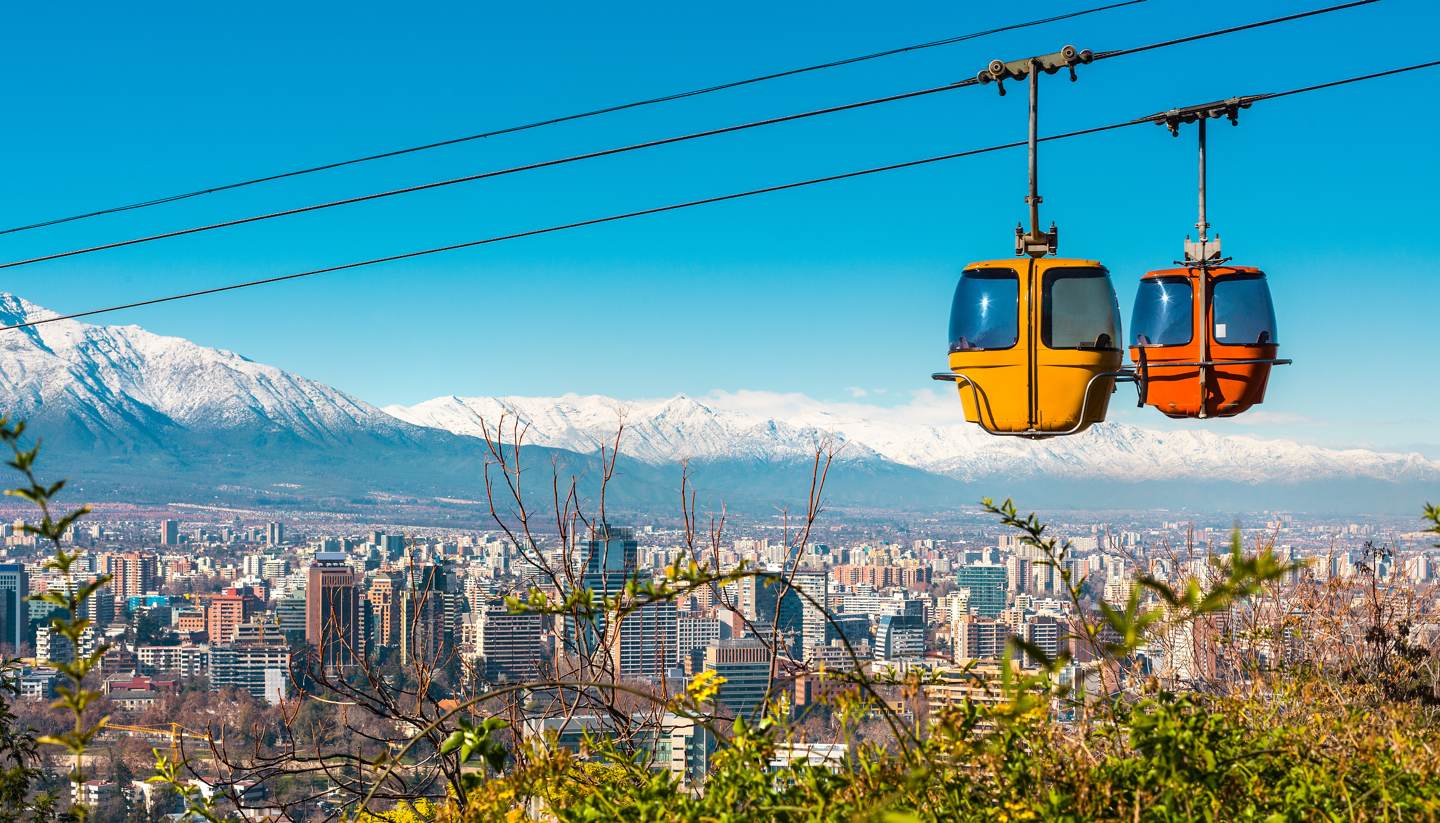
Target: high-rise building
{"x": 986, "y": 583}
{"x": 261, "y": 669}
{"x": 274, "y": 533}
{"x": 169, "y": 532}
{"x": 290, "y": 614}
{"x": 645, "y": 642}
{"x": 608, "y": 563}
{"x": 332, "y": 610}
{"x": 898, "y": 636}
{"x": 384, "y": 597}
{"x": 132, "y": 573}
{"x": 694, "y": 632}
{"x": 14, "y": 611}
{"x": 426, "y": 632}
{"x": 745, "y": 665}
{"x": 814, "y": 588}
{"x": 508, "y": 644}
{"x": 771, "y": 605}
{"x": 980, "y": 638}
{"x": 227, "y": 610}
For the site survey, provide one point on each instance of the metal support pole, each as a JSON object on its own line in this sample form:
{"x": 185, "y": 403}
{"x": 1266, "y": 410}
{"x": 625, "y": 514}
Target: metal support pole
{"x": 1034, "y": 146}
{"x": 1203, "y": 226}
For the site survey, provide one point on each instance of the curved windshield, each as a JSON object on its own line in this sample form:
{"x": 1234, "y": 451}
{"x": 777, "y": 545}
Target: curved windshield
{"x": 1164, "y": 312}
{"x": 1078, "y": 310}
{"x": 986, "y": 310}
{"x": 1244, "y": 315}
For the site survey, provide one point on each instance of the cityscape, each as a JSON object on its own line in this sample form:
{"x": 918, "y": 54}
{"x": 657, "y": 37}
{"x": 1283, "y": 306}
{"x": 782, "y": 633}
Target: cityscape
{"x": 211, "y": 603}
{"x": 760, "y": 413}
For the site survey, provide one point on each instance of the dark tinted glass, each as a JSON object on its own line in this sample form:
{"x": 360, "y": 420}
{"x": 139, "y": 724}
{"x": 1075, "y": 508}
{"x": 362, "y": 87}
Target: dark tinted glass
{"x": 1079, "y": 310}
{"x": 1244, "y": 314}
{"x": 986, "y": 310}
{"x": 1164, "y": 313}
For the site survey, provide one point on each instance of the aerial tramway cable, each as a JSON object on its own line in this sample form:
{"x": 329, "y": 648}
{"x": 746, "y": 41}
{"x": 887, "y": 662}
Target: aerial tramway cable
{"x": 566, "y": 118}
{"x": 974, "y": 81}
{"x": 1148, "y": 119}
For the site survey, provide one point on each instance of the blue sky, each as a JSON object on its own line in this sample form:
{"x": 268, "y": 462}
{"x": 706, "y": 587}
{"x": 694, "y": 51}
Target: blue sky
{"x": 821, "y": 291}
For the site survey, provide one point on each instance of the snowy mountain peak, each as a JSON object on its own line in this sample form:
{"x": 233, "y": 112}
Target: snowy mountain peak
{"x": 927, "y": 434}
{"x": 108, "y": 379}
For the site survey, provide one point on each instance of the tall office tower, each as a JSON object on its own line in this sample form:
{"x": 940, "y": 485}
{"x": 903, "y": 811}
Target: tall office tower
{"x": 645, "y": 642}
{"x": 692, "y": 632}
{"x": 607, "y": 564}
{"x": 762, "y": 604}
{"x": 986, "y": 583}
{"x": 384, "y": 597}
{"x": 132, "y": 573}
{"x": 815, "y": 608}
{"x": 394, "y": 545}
{"x": 14, "y": 611}
{"x": 426, "y": 633}
{"x": 290, "y": 613}
{"x": 745, "y": 665}
{"x": 898, "y": 636}
{"x": 274, "y": 533}
{"x": 508, "y": 644}
{"x": 169, "y": 532}
{"x": 332, "y": 611}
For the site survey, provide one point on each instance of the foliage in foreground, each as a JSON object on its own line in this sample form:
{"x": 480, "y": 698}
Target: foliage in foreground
{"x": 1165, "y": 758}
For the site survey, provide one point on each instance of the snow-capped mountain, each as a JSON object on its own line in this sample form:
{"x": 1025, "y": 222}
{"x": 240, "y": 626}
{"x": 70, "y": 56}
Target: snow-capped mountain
{"x": 123, "y": 380}
{"x": 131, "y": 415}
{"x": 926, "y": 434}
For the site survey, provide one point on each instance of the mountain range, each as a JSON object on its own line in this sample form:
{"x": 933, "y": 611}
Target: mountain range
{"x": 132, "y": 415}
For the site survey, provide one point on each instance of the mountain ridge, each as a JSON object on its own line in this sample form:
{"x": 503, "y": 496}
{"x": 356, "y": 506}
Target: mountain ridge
{"x": 129, "y": 414}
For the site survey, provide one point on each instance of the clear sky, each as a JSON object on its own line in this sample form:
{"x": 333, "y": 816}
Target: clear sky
{"x": 827, "y": 291}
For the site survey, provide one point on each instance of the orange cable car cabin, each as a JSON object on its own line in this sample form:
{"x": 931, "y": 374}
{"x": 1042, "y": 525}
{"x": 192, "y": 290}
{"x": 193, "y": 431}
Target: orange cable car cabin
{"x": 1204, "y": 338}
{"x": 1035, "y": 344}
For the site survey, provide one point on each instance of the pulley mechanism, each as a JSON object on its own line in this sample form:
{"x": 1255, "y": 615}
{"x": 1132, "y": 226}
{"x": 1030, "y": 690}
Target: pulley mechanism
{"x": 1204, "y": 251}
{"x": 1035, "y": 243}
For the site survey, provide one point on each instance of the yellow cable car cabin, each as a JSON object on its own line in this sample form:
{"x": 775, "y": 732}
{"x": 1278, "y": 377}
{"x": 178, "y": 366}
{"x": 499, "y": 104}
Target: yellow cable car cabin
{"x": 1035, "y": 345}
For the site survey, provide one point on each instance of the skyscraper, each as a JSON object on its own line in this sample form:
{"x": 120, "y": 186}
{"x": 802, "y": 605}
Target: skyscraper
{"x": 986, "y": 582}
{"x": 384, "y": 597}
{"x": 508, "y": 644}
{"x": 763, "y": 606}
{"x": 14, "y": 611}
{"x": 426, "y": 634}
{"x": 745, "y": 665}
{"x": 609, "y": 562}
{"x": 169, "y": 532}
{"x": 275, "y": 533}
{"x": 814, "y": 587}
{"x": 133, "y": 573}
{"x": 645, "y": 643}
{"x": 332, "y": 610}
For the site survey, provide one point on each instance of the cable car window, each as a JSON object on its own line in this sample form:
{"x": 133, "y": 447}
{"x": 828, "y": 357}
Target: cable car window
{"x": 1078, "y": 310}
{"x": 1164, "y": 312}
{"x": 986, "y": 310}
{"x": 1244, "y": 315}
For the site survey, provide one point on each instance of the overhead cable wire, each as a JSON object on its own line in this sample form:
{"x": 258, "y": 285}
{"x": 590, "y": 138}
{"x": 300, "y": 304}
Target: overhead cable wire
{"x": 566, "y": 118}
{"x": 648, "y": 144}
{"x": 1231, "y": 30}
{"x": 674, "y": 206}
